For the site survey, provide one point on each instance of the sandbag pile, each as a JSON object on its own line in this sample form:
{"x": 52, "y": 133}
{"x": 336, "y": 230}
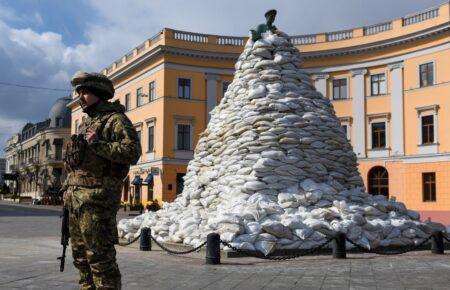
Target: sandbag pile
{"x": 274, "y": 170}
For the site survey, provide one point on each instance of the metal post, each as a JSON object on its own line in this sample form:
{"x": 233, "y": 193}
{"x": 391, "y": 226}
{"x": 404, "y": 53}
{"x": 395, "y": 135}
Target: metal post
{"x": 437, "y": 243}
{"x": 339, "y": 246}
{"x": 213, "y": 249}
{"x": 145, "y": 241}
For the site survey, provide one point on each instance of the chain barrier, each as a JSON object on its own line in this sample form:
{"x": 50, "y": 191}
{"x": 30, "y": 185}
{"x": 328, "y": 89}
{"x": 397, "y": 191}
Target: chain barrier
{"x": 177, "y": 252}
{"x": 307, "y": 252}
{"x": 130, "y": 242}
{"x": 446, "y": 238}
{"x": 387, "y": 253}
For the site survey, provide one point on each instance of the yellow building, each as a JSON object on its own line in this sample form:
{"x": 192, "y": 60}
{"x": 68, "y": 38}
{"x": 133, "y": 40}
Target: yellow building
{"x": 389, "y": 84}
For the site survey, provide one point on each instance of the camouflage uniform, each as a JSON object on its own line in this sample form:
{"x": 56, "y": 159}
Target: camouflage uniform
{"x": 93, "y": 185}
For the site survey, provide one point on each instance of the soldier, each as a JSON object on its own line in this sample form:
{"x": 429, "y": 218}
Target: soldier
{"x": 97, "y": 160}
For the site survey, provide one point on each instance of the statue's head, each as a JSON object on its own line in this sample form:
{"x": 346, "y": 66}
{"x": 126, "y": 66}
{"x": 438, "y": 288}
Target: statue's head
{"x": 270, "y": 15}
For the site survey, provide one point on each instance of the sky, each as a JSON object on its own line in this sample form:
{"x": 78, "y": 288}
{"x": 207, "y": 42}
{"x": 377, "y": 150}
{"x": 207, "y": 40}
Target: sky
{"x": 44, "y": 42}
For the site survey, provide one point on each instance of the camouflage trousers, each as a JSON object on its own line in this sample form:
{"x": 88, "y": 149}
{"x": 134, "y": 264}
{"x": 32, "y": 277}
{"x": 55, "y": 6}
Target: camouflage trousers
{"x": 93, "y": 234}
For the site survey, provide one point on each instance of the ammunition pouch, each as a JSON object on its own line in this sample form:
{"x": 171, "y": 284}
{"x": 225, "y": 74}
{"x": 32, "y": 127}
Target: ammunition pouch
{"x": 76, "y": 151}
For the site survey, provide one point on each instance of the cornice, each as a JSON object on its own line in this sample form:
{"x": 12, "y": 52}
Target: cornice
{"x": 162, "y": 50}
{"x": 397, "y": 41}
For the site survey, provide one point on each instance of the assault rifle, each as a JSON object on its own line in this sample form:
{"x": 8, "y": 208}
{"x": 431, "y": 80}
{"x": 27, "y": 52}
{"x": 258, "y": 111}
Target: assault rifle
{"x": 65, "y": 235}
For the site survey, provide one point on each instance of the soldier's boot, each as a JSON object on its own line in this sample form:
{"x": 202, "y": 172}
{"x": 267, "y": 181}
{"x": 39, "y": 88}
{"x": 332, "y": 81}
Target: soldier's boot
{"x": 105, "y": 271}
{"x": 110, "y": 280}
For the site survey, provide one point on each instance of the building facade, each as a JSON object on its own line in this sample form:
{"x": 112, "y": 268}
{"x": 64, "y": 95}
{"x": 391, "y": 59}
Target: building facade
{"x": 389, "y": 84}
{"x": 35, "y": 155}
{"x": 2, "y": 170}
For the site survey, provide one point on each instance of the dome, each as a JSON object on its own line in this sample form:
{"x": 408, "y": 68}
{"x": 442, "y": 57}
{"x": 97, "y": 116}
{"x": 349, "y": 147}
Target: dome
{"x": 59, "y": 114}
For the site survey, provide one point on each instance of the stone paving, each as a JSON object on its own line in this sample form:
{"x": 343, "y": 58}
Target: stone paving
{"x": 29, "y": 245}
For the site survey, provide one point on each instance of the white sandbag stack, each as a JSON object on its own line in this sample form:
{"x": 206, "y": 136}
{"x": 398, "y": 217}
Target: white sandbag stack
{"x": 274, "y": 170}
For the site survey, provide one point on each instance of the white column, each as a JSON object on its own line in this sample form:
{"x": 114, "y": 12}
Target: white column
{"x": 397, "y": 108}
{"x": 211, "y": 93}
{"x": 435, "y": 126}
{"x": 387, "y": 125}
{"x": 359, "y": 112}
{"x": 419, "y": 120}
{"x": 321, "y": 83}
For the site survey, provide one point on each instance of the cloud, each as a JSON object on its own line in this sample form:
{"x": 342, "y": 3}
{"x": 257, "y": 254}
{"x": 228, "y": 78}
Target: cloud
{"x": 9, "y": 127}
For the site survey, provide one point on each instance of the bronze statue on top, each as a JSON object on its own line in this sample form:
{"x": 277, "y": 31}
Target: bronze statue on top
{"x": 261, "y": 28}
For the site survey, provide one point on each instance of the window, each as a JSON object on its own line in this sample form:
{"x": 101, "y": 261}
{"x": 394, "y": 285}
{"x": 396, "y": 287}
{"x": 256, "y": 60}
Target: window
{"x": 426, "y": 74}
{"x": 127, "y": 102}
{"x": 180, "y": 183}
{"x": 139, "y": 97}
{"x": 429, "y": 186}
{"x": 427, "y": 129}
{"x": 225, "y": 86}
{"x": 59, "y": 122}
{"x": 346, "y": 133}
{"x": 139, "y": 136}
{"x": 340, "y": 89}
{"x": 151, "y": 91}
{"x": 184, "y": 88}
{"x": 378, "y": 84}
{"x": 378, "y": 179}
{"x": 47, "y": 148}
{"x": 379, "y": 135}
{"x": 183, "y": 137}
{"x": 151, "y": 132}
{"x": 139, "y": 139}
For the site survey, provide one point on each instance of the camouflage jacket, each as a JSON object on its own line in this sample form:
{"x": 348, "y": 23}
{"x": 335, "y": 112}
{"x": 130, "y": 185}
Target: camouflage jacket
{"x": 106, "y": 161}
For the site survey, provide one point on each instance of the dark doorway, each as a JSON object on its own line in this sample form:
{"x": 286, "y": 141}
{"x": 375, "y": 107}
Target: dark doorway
{"x": 180, "y": 182}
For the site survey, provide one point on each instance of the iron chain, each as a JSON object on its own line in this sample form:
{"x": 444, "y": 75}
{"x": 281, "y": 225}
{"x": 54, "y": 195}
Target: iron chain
{"x": 307, "y": 252}
{"x": 130, "y": 242}
{"x": 379, "y": 252}
{"x": 446, "y": 238}
{"x": 175, "y": 252}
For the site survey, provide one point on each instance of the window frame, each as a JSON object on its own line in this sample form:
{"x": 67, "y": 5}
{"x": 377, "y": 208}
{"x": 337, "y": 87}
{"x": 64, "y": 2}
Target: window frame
{"x": 433, "y": 74}
{"x": 139, "y": 99}
{"x": 188, "y": 146}
{"x": 378, "y": 181}
{"x": 333, "y": 96}
{"x": 380, "y": 84}
{"x": 127, "y": 102}
{"x": 178, "y": 88}
{"x": 152, "y": 91}
{"x": 428, "y": 148}
{"x": 379, "y": 135}
{"x": 152, "y": 149}
{"x": 426, "y": 128}
{"x": 430, "y": 185}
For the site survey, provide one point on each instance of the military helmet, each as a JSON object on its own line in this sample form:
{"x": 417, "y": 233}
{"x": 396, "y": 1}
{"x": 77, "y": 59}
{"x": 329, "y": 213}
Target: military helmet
{"x": 98, "y": 82}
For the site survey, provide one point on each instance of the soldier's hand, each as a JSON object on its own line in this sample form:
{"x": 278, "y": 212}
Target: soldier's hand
{"x": 91, "y": 136}
{"x": 65, "y": 196}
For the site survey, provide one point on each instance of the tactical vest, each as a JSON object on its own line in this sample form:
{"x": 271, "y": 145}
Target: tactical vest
{"x": 84, "y": 166}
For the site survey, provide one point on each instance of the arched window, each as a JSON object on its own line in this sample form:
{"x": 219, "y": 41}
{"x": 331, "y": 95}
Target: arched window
{"x": 378, "y": 179}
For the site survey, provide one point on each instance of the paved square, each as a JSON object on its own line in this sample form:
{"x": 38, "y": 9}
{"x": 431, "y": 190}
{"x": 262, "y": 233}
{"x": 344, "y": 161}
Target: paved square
{"x": 29, "y": 245}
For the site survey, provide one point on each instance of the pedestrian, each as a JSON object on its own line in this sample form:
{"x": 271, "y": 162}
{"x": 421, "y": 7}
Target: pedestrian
{"x": 97, "y": 160}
